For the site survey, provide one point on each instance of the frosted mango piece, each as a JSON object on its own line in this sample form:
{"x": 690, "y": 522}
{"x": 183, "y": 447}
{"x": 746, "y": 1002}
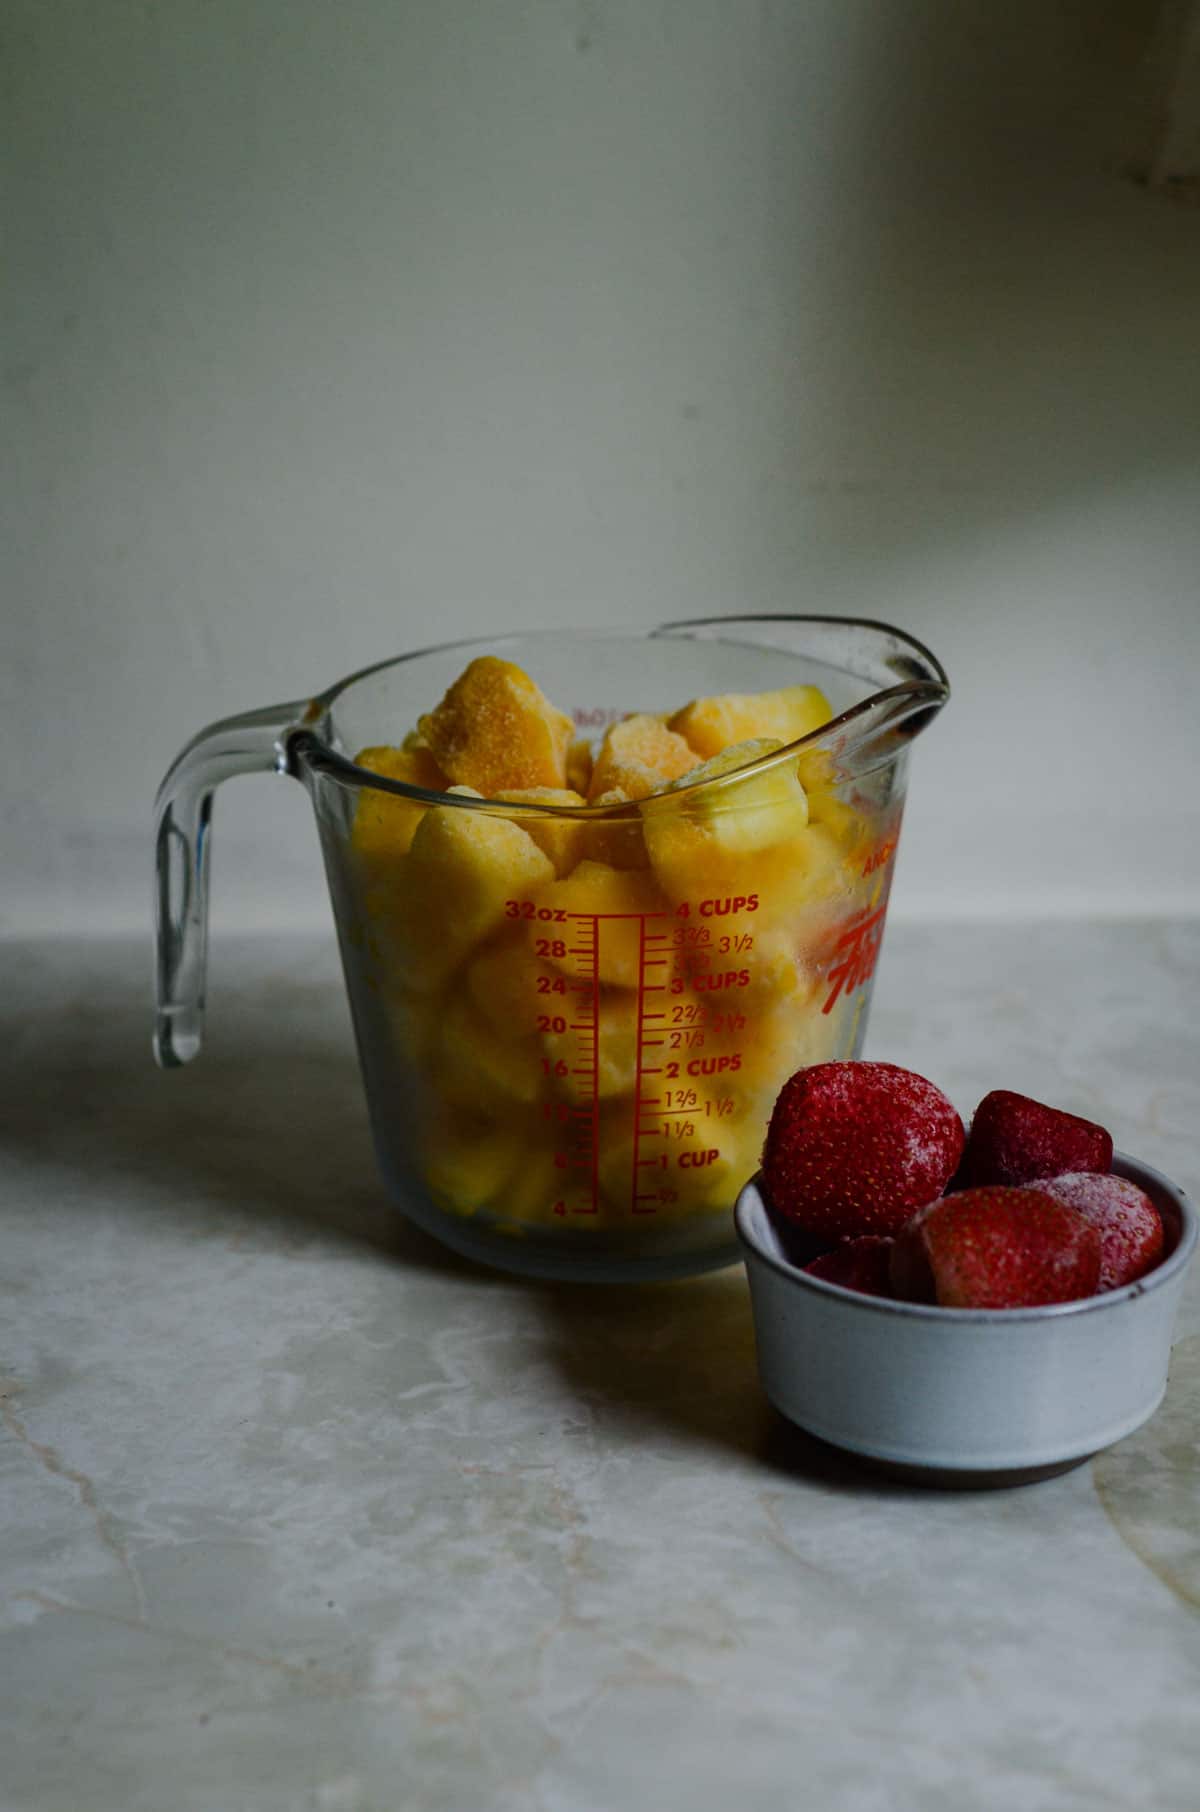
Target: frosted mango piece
{"x": 764, "y": 947}
{"x": 579, "y": 765}
{"x": 710, "y": 839}
{"x": 473, "y": 1062}
{"x": 818, "y": 776}
{"x": 610, "y": 1068}
{"x": 593, "y": 887}
{"x": 495, "y": 729}
{"x": 713, "y": 724}
{"x": 708, "y": 1158}
{"x": 804, "y": 873}
{"x": 467, "y": 1160}
{"x": 617, "y": 841}
{"x": 531, "y": 1189}
{"x": 462, "y": 868}
{"x": 639, "y": 756}
{"x": 778, "y": 1041}
{"x": 383, "y": 823}
{"x": 503, "y": 982}
{"x": 561, "y": 838}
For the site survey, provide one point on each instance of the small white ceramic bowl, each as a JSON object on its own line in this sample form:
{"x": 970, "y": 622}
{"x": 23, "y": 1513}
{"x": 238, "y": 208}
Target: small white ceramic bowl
{"x": 966, "y": 1396}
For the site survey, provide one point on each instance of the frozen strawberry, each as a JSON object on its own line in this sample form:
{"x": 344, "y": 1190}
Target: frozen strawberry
{"x": 996, "y": 1248}
{"x": 857, "y": 1148}
{"x": 857, "y": 1264}
{"x": 1016, "y": 1140}
{"x": 1129, "y": 1225}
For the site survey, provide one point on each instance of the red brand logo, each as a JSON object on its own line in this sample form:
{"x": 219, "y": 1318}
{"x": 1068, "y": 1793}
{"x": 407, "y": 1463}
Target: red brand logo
{"x": 856, "y": 952}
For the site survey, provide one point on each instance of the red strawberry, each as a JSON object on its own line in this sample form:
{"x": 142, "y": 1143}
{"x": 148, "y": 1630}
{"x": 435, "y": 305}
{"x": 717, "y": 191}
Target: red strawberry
{"x": 858, "y": 1147}
{"x": 996, "y": 1249}
{"x": 858, "y": 1264}
{"x": 1129, "y": 1225}
{"x": 1015, "y": 1140}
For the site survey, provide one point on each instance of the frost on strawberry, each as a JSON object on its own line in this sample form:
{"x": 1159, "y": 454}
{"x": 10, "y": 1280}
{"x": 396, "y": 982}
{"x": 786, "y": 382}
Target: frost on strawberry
{"x": 855, "y": 1148}
{"x": 996, "y": 1248}
{"x": 1129, "y": 1225}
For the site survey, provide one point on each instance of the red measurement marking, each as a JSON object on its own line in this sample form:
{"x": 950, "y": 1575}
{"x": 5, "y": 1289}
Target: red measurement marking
{"x": 618, "y": 915}
{"x": 634, "y": 1205}
{"x": 595, "y": 1067}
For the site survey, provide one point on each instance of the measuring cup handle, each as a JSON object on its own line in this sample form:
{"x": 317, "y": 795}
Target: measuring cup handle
{"x": 251, "y": 743}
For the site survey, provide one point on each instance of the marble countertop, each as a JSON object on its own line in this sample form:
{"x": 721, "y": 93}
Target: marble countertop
{"x": 301, "y": 1512}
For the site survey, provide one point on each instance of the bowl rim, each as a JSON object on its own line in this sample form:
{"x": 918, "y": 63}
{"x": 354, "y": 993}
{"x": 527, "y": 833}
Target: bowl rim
{"x": 1134, "y": 1170}
{"x": 307, "y": 743}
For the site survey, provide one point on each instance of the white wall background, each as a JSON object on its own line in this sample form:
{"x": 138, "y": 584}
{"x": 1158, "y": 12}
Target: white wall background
{"x": 338, "y": 328}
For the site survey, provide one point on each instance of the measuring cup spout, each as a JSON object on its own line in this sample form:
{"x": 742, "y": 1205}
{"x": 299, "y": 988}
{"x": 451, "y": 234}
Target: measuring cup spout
{"x": 901, "y": 685}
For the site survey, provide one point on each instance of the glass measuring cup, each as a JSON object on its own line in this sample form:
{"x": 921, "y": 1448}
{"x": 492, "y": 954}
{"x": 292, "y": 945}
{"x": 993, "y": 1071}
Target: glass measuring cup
{"x": 572, "y": 1021}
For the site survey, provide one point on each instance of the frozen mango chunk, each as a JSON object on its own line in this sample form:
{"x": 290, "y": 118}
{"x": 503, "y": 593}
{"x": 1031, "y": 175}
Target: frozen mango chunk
{"x": 495, "y": 729}
{"x": 759, "y": 945}
{"x": 617, "y": 840}
{"x": 710, "y": 725}
{"x": 798, "y": 880}
{"x": 462, "y": 868}
{"x": 639, "y": 756}
{"x": 685, "y": 1163}
{"x": 384, "y": 824}
{"x": 606, "y": 1065}
{"x": 532, "y": 1190}
{"x": 827, "y": 804}
{"x": 509, "y": 984}
{"x": 467, "y": 1159}
{"x": 622, "y": 898}
{"x": 777, "y": 1040}
{"x": 706, "y": 839}
{"x": 562, "y": 838}
{"x": 475, "y": 1064}
{"x": 579, "y": 765}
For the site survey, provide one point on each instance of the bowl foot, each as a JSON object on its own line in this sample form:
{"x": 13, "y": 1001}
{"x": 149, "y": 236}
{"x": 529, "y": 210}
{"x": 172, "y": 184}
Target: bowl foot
{"x": 954, "y": 1478}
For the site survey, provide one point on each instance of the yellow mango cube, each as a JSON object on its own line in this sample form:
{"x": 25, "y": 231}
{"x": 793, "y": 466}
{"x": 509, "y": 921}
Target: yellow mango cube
{"x": 819, "y": 778}
{"x": 693, "y": 1162}
{"x": 606, "y": 1066}
{"x": 503, "y": 981}
{"x": 709, "y": 839}
{"x": 562, "y": 838}
{"x": 495, "y": 729}
{"x": 711, "y": 725}
{"x": 621, "y": 897}
{"x": 474, "y": 1063}
{"x": 463, "y": 867}
{"x": 384, "y": 824}
{"x": 639, "y": 756}
{"x": 618, "y": 840}
{"x": 466, "y": 1160}
{"x": 579, "y": 765}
